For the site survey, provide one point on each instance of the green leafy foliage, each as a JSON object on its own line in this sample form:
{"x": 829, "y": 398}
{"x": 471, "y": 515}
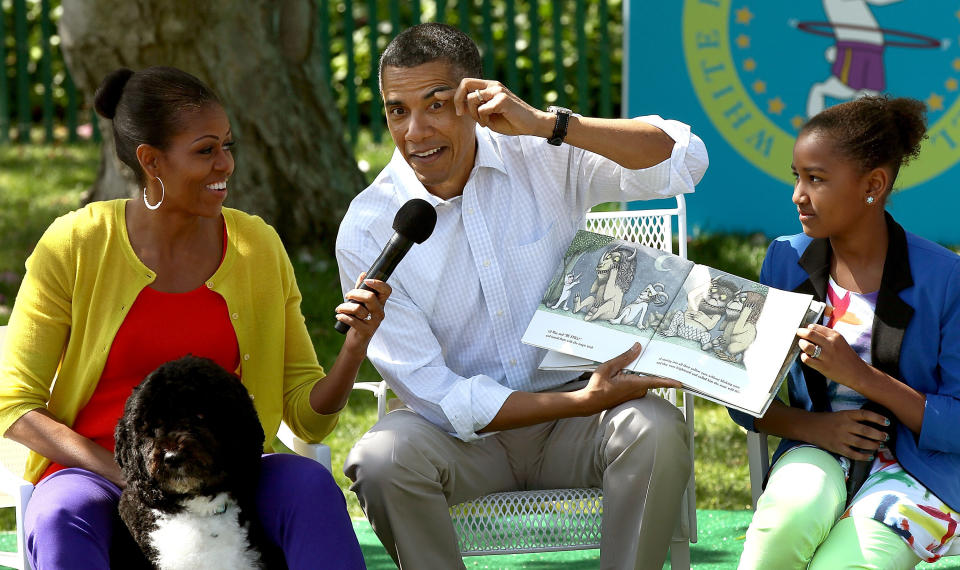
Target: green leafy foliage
{"x": 516, "y": 52}
{"x": 566, "y": 52}
{"x": 34, "y": 35}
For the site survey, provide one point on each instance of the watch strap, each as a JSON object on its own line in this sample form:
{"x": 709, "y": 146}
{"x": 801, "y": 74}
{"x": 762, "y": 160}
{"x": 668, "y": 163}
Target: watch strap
{"x": 560, "y": 126}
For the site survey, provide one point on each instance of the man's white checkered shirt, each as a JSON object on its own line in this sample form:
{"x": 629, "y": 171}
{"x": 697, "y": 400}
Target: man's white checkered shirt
{"x": 450, "y": 343}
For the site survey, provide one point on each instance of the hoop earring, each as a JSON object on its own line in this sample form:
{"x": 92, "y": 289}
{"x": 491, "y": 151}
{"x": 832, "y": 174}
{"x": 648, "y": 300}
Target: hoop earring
{"x": 163, "y": 193}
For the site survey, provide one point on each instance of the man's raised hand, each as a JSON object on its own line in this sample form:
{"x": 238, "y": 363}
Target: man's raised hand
{"x": 492, "y": 105}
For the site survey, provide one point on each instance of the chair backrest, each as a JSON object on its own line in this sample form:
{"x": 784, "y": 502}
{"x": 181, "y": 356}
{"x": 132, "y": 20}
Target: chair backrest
{"x": 653, "y": 228}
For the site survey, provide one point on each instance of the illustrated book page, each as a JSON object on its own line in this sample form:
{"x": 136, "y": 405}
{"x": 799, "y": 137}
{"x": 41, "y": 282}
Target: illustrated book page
{"x": 724, "y": 337}
{"x": 607, "y": 294}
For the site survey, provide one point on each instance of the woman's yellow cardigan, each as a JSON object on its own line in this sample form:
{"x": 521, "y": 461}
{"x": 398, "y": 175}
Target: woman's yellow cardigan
{"x": 82, "y": 279}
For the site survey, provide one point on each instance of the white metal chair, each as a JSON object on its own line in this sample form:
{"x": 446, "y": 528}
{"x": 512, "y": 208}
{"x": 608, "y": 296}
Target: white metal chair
{"x": 569, "y": 519}
{"x": 15, "y": 491}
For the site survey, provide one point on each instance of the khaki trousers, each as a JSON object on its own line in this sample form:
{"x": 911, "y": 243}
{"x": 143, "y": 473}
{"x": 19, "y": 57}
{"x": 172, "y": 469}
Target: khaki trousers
{"x": 406, "y": 473}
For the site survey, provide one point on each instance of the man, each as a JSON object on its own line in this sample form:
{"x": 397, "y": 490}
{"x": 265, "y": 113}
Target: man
{"x": 482, "y": 418}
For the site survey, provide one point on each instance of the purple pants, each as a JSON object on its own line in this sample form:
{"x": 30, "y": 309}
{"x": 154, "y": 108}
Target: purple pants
{"x": 72, "y": 521}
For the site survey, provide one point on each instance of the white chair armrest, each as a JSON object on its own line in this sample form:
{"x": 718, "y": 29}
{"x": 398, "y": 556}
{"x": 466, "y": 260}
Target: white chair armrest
{"x": 759, "y": 461}
{"x": 316, "y": 451}
{"x": 379, "y": 390}
{"x": 16, "y": 492}
{"x": 320, "y": 452}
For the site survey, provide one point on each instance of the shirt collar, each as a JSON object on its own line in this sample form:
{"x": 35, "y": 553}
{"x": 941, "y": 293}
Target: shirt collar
{"x": 409, "y": 186}
{"x": 488, "y": 155}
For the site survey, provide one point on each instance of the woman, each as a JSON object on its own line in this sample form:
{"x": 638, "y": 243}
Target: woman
{"x": 879, "y": 383}
{"x": 117, "y": 288}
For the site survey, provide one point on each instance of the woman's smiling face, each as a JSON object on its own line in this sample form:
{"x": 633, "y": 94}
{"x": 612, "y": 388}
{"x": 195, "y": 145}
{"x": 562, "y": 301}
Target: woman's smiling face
{"x": 197, "y": 162}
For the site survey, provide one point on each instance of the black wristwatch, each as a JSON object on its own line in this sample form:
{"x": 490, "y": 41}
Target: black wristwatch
{"x": 560, "y": 127}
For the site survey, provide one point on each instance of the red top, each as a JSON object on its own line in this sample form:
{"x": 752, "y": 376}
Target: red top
{"x": 159, "y": 327}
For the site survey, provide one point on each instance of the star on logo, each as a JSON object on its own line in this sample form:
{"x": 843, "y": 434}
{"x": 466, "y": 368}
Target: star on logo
{"x": 935, "y": 102}
{"x": 743, "y": 41}
{"x": 776, "y": 105}
{"x": 744, "y": 16}
{"x": 759, "y": 86}
{"x": 749, "y": 64}
{"x": 951, "y": 84}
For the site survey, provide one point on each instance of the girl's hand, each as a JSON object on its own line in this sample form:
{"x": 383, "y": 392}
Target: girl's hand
{"x": 836, "y": 360}
{"x": 365, "y": 313}
{"x": 847, "y": 432}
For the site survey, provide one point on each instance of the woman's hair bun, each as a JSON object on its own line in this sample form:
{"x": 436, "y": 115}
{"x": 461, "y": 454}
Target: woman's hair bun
{"x": 107, "y": 97}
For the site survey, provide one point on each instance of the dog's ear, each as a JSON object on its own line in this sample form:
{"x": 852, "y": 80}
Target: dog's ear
{"x": 120, "y": 436}
{"x": 124, "y": 433}
{"x": 125, "y": 451}
{"x": 249, "y": 426}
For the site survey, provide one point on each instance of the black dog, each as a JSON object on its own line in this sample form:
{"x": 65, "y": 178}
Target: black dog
{"x": 189, "y": 445}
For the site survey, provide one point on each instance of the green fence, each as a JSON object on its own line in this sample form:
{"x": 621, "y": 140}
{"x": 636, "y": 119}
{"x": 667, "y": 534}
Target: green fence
{"x": 564, "y": 52}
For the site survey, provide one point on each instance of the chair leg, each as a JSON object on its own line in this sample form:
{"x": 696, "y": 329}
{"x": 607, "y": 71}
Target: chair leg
{"x": 680, "y": 555}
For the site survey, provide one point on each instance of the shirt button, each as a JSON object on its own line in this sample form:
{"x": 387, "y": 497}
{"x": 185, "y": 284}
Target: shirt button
{"x": 513, "y": 362}
{"x": 486, "y": 263}
{"x": 499, "y": 312}
{"x": 210, "y": 284}
{"x": 235, "y": 316}
{"x": 469, "y": 210}
{"x": 246, "y": 357}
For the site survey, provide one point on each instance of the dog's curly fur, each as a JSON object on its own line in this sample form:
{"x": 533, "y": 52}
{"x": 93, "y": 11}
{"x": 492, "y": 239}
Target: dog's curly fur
{"x": 189, "y": 445}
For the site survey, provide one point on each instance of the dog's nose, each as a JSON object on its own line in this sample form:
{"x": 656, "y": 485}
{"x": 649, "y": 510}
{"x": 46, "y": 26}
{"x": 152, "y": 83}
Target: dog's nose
{"x": 172, "y": 458}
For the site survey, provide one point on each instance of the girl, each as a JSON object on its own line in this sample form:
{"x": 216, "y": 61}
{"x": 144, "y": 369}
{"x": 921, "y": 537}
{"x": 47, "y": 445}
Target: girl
{"x": 878, "y": 381}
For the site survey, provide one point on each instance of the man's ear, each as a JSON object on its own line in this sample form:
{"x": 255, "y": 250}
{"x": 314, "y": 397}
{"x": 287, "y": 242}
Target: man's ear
{"x": 149, "y": 157}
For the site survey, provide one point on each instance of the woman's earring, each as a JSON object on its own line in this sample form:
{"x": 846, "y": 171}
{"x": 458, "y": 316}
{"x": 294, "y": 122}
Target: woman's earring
{"x": 870, "y": 200}
{"x": 163, "y": 193}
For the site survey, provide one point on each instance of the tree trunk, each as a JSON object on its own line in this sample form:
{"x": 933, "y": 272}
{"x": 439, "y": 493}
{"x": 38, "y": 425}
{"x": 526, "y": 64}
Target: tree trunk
{"x": 294, "y": 167}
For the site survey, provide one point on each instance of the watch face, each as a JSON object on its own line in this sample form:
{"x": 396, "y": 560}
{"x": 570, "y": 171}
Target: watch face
{"x": 557, "y": 110}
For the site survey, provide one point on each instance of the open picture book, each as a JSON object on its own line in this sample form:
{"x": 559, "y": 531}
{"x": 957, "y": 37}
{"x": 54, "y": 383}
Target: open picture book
{"x": 725, "y": 338}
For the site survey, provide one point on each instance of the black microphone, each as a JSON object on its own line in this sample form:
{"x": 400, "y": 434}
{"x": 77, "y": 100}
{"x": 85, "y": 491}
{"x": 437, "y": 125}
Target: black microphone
{"x": 413, "y": 223}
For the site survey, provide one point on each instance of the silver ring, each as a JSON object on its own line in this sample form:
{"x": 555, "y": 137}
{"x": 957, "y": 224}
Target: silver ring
{"x": 816, "y": 351}
{"x": 370, "y": 316}
{"x": 480, "y": 96}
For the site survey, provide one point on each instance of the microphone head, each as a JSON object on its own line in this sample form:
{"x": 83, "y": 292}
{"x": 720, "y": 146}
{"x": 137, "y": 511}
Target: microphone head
{"x": 415, "y": 220}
